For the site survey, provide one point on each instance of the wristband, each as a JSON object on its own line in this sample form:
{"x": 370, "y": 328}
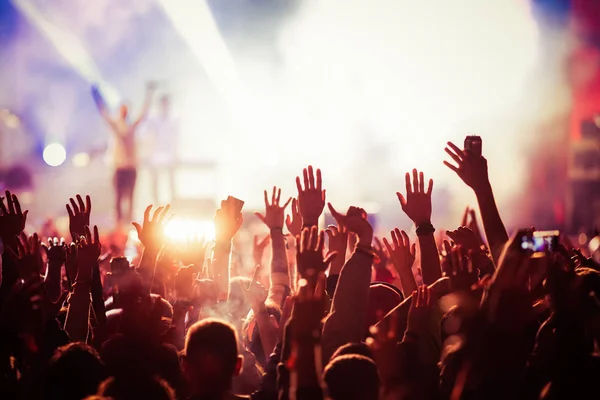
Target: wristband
{"x": 425, "y": 229}
{"x": 277, "y": 229}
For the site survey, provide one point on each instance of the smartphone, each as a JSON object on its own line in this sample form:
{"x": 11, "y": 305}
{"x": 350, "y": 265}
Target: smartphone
{"x": 473, "y": 144}
{"x": 237, "y": 203}
{"x": 540, "y": 243}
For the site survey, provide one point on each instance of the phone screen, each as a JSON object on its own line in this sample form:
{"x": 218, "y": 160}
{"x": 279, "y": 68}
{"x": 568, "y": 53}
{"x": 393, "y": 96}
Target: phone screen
{"x": 474, "y": 145}
{"x": 541, "y": 242}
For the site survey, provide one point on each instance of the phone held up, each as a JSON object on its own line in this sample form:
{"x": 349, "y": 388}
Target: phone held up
{"x": 540, "y": 243}
{"x": 474, "y": 145}
{"x": 237, "y": 203}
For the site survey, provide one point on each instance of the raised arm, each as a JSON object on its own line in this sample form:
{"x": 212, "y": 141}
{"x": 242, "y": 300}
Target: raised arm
{"x": 473, "y": 170}
{"x": 101, "y": 105}
{"x": 417, "y": 206}
{"x": 151, "y": 234}
{"x": 228, "y": 221}
{"x": 273, "y": 218}
{"x": 311, "y": 197}
{"x": 150, "y": 88}
{"x": 78, "y": 312}
{"x": 346, "y": 322}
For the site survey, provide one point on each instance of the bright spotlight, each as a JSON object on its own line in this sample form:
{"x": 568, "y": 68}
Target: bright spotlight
{"x": 182, "y": 230}
{"x": 81, "y": 160}
{"x": 54, "y": 154}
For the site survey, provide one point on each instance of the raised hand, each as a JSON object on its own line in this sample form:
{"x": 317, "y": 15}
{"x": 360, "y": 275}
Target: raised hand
{"x": 420, "y": 312}
{"x": 403, "y": 256}
{"x": 356, "y": 222}
{"x": 79, "y": 215}
{"x": 380, "y": 263}
{"x": 459, "y": 268}
{"x": 258, "y": 248}
{"x": 255, "y": 294}
{"x": 311, "y": 198}
{"x": 88, "y": 251}
{"x": 293, "y": 222}
{"x": 55, "y": 251}
{"x": 30, "y": 263}
{"x": 309, "y": 253}
{"x": 228, "y": 221}
{"x": 338, "y": 243}
{"x": 309, "y": 310}
{"x": 151, "y": 232}
{"x": 465, "y": 238}
{"x": 274, "y": 213}
{"x": 12, "y": 219}
{"x": 470, "y": 221}
{"x": 417, "y": 203}
{"x": 472, "y": 169}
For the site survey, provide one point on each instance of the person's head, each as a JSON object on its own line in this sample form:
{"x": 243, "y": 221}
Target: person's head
{"x": 211, "y": 359}
{"x": 74, "y": 372}
{"x": 165, "y": 104}
{"x": 352, "y": 377}
{"x": 123, "y": 111}
{"x": 147, "y": 388}
{"x": 359, "y": 348}
{"x": 383, "y": 298}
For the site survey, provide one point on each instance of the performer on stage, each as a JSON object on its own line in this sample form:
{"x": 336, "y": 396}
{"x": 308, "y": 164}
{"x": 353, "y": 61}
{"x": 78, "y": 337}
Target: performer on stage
{"x": 162, "y": 132}
{"x": 124, "y": 150}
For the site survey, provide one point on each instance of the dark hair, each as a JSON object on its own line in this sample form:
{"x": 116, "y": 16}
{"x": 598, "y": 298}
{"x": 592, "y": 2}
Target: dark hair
{"x": 147, "y": 388}
{"x": 359, "y": 348}
{"x": 352, "y": 376}
{"x": 211, "y": 352}
{"x": 74, "y": 372}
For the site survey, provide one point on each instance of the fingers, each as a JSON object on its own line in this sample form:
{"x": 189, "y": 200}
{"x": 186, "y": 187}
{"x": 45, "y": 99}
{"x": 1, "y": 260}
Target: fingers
{"x": 147, "y": 214}
{"x": 336, "y": 215}
{"x": 465, "y": 217}
{"x": 405, "y": 240}
{"x": 70, "y": 212}
{"x": 137, "y": 227}
{"x": 402, "y": 199}
{"x": 311, "y": 178}
{"x": 407, "y": 183}
{"x": 454, "y": 156}
{"x": 286, "y": 203}
{"x": 10, "y": 202}
{"x": 457, "y": 150}
{"x": 305, "y": 175}
{"x": 288, "y": 221}
{"x": 266, "y": 199}
{"x": 88, "y": 204}
{"x": 294, "y": 207}
{"x": 260, "y": 216}
{"x": 413, "y": 250}
{"x": 429, "y": 187}
{"x": 377, "y": 244}
{"x": 298, "y": 185}
{"x": 388, "y": 246}
{"x": 3, "y": 209}
{"x": 415, "y": 181}
{"x": 452, "y": 167}
{"x": 319, "y": 181}
{"x": 330, "y": 257}
{"x": 321, "y": 242}
{"x": 314, "y": 238}
{"x": 80, "y": 203}
{"x": 278, "y": 196}
{"x": 421, "y": 182}
{"x": 75, "y": 206}
{"x": 320, "y": 286}
{"x": 396, "y": 237}
{"x": 96, "y": 236}
{"x": 17, "y": 205}
{"x": 274, "y": 196}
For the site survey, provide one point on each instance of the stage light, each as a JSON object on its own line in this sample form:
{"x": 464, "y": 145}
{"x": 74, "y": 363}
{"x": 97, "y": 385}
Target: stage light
{"x": 81, "y": 160}
{"x": 54, "y": 154}
{"x": 180, "y": 230}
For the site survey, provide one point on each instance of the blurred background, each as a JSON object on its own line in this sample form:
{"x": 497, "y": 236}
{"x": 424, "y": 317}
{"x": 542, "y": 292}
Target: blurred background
{"x": 364, "y": 89}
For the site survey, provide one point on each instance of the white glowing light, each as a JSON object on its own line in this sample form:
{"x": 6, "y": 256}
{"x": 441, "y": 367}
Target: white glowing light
{"x": 81, "y": 160}
{"x": 182, "y": 230}
{"x": 54, "y": 154}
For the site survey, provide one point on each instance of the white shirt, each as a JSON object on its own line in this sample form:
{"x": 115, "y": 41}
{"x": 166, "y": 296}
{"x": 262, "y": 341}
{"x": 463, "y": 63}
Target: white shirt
{"x": 162, "y": 135}
{"x": 123, "y": 145}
